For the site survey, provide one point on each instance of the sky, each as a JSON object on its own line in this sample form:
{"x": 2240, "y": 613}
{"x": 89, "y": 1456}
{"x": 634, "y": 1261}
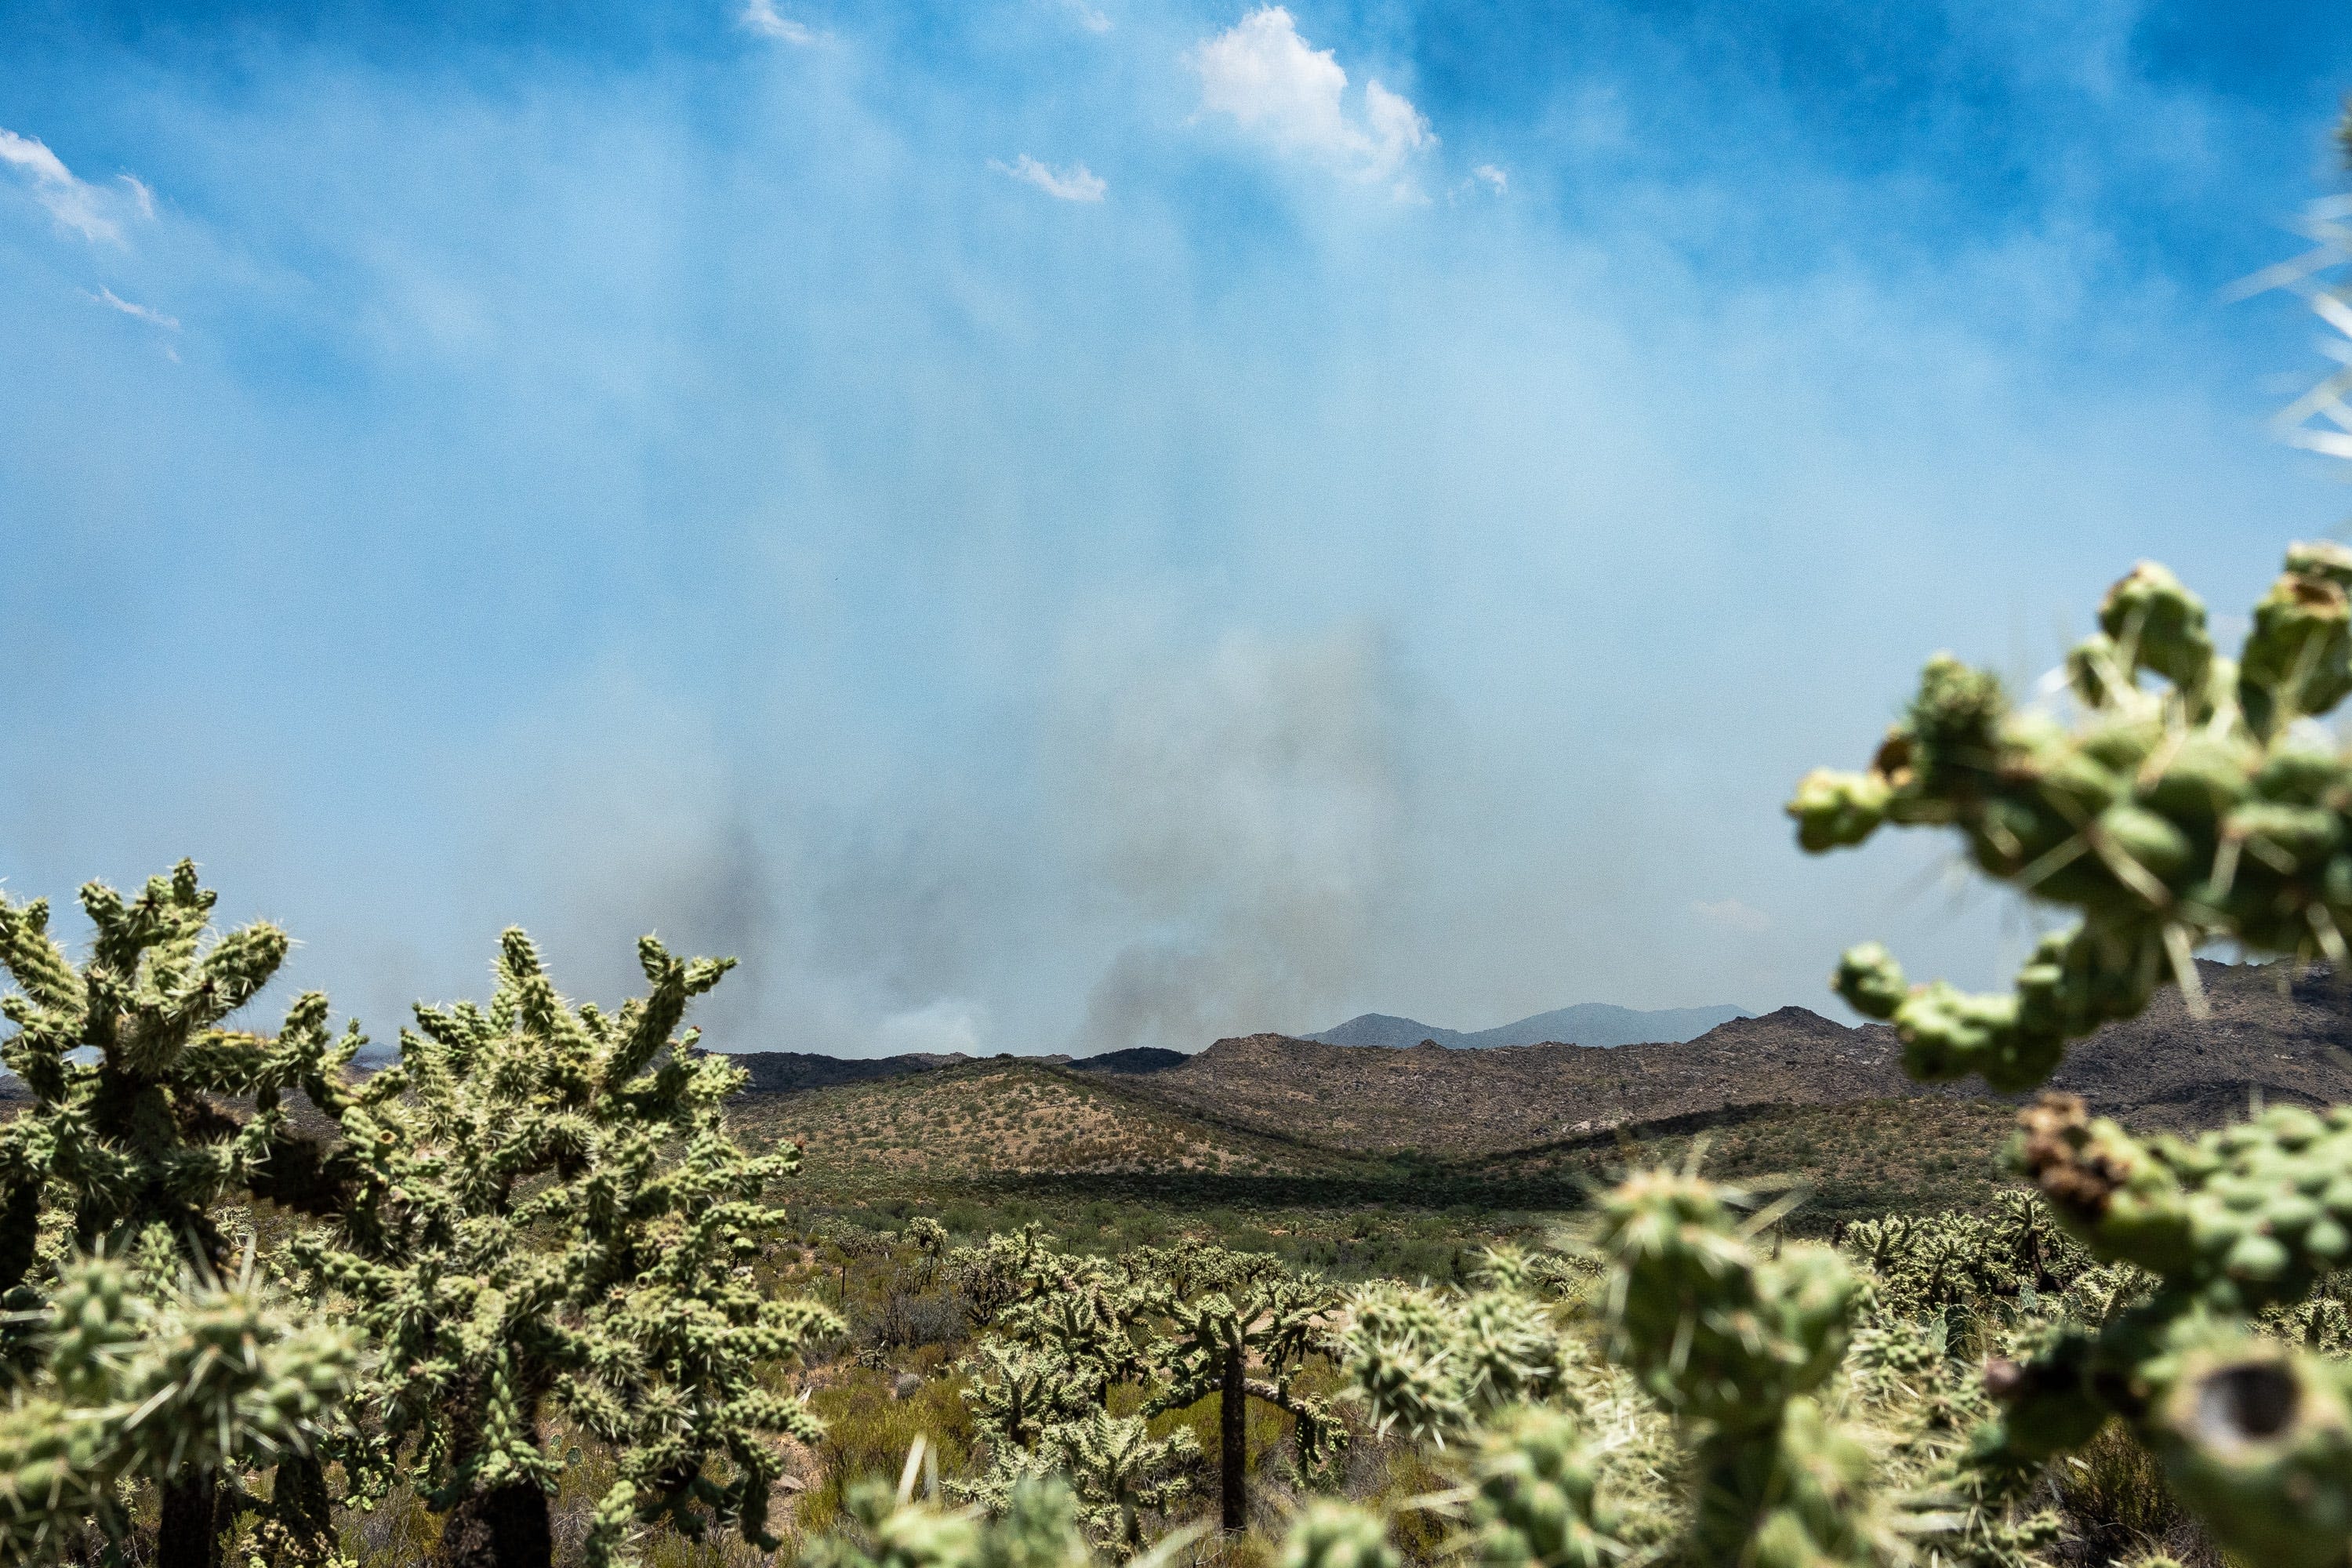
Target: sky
{"x": 1052, "y": 525}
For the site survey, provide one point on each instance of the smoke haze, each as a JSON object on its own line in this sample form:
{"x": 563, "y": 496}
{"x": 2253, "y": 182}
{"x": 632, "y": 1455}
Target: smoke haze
{"x": 1350, "y": 551}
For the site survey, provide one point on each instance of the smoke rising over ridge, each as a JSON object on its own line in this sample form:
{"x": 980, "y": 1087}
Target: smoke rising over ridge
{"x": 1245, "y": 811}
{"x": 637, "y": 476}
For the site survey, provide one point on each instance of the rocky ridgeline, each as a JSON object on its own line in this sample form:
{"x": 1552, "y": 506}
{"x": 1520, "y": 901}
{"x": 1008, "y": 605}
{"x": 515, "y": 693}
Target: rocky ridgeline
{"x": 2164, "y": 1068}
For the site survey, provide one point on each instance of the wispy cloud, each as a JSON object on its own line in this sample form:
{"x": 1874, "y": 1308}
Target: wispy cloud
{"x": 1493, "y": 177}
{"x": 95, "y": 212}
{"x": 145, "y": 313}
{"x": 1272, "y": 83}
{"x": 761, "y": 17}
{"x": 1088, "y": 16}
{"x": 1075, "y": 183}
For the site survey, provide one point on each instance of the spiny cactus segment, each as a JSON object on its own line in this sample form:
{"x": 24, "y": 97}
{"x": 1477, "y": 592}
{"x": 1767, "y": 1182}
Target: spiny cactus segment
{"x": 1430, "y": 1363}
{"x": 1180, "y": 1323}
{"x": 1735, "y": 1343}
{"x": 2189, "y": 806}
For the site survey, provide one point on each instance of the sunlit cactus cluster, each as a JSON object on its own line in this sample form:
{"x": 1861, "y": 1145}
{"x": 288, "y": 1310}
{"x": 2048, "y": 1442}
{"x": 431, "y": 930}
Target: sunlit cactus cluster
{"x": 141, "y": 1379}
{"x": 539, "y": 1210}
{"x": 549, "y": 1208}
{"x": 1062, "y": 1332}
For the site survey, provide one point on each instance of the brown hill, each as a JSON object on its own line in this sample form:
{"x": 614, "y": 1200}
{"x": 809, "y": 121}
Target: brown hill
{"x": 1008, "y": 1116}
{"x": 2163, "y": 1069}
{"x": 791, "y": 1072}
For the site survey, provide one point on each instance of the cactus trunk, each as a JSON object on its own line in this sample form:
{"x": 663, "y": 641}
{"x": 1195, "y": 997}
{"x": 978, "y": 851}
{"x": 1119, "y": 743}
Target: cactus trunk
{"x": 505, "y": 1528}
{"x": 1233, "y": 1441}
{"x": 189, "y": 1536}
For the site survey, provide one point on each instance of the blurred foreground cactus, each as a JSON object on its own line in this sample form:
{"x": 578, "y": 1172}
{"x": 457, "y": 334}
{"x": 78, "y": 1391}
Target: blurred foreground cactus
{"x": 2192, "y": 803}
{"x": 139, "y": 1379}
{"x": 2196, "y": 800}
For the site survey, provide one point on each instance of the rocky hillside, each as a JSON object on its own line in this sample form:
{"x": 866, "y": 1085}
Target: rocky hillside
{"x": 1436, "y": 1100}
{"x": 789, "y": 1072}
{"x": 1006, "y": 1116}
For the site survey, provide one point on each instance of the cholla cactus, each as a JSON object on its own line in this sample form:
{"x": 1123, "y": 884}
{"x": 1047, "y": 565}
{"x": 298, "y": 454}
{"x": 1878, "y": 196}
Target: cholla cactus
{"x": 209, "y": 1378}
{"x": 2191, "y": 805}
{"x": 1736, "y": 1343}
{"x": 1121, "y": 1471}
{"x": 1429, "y": 1362}
{"x": 1533, "y": 1503}
{"x": 139, "y": 1134}
{"x": 1036, "y": 1528}
{"x": 1958, "y": 1263}
{"x": 1003, "y": 1270}
{"x": 2191, "y": 810}
{"x": 1275, "y": 1323}
{"x": 1017, "y": 1393}
{"x": 551, "y": 1209}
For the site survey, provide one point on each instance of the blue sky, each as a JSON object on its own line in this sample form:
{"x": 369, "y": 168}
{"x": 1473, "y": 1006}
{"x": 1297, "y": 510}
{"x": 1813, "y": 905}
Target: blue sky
{"x": 1069, "y": 523}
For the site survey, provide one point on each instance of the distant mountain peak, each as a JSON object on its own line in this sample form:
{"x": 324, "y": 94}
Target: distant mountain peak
{"x": 1586, "y": 1024}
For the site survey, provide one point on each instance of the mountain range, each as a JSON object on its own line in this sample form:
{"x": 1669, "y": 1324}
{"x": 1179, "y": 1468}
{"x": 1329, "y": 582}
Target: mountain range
{"x": 1586, "y": 1024}
{"x": 2263, "y": 1038}
{"x": 1790, "y": 1096}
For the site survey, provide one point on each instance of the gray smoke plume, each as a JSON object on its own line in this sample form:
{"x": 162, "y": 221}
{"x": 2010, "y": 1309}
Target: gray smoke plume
{"x": 1243, "y": 810}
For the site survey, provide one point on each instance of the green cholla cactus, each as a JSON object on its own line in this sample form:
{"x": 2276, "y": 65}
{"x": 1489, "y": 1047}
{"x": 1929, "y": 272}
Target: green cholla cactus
{"x": 1532, "y": 1503}
{"x": 142, "y": 1133}
{"x": 2246, "y": 1217}
{"x": 2188, "y": 807}
{"x": 130, "y": 1387}
{"x": 2259, "y": 1440}
{"x": 1181, "y": 1322}
{"x": 1121, "y": 1471}
{"x": 1274, "y": 1324}
{"x": 1037, "y": 1527}
{"x": 1430, "y": 1362}
{"x": 1734, "y": 1343}
{"x": 1335, "y": 1535}
{"x": 2190, "y": 811}
{"x": 131, "y": 1129}
{"x": 551, "y": 1208}
{"x": 1017, "y": 1393}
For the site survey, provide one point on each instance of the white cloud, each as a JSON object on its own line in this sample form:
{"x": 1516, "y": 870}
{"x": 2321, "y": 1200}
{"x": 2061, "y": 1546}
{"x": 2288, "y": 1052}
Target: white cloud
{"x": 92, "y": 210}
{"x": 1264, "y": 75}
{"x": 1075, "y": 183}
{"x": 143, "y": 312}
{"x": 1494, "y": 176}
{"x": 1732, "y": 915}
{"x": 1088, "y": 17}
{"x": 760, "y": 17}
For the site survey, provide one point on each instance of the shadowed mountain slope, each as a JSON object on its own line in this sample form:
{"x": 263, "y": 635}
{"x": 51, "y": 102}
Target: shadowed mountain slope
{"x": 789, "y": 1072}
